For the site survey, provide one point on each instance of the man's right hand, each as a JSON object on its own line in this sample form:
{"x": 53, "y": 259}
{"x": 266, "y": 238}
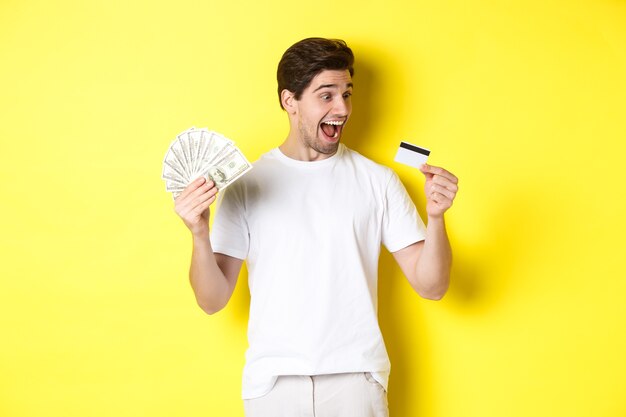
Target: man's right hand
{"x": 192, "y": 205}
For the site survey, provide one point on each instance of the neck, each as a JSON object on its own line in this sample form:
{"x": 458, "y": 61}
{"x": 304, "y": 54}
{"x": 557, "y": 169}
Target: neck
{"x": 296, "y": 148}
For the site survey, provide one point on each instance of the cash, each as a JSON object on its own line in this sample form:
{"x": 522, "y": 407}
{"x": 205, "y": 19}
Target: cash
{"x": 202, "y": 153}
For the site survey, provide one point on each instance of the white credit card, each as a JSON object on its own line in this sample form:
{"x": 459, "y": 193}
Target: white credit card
{"x": 411, "y": 155}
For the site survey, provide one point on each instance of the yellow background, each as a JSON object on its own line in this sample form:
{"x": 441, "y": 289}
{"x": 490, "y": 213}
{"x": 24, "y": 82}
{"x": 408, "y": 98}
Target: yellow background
{"x": 523, "y": 100}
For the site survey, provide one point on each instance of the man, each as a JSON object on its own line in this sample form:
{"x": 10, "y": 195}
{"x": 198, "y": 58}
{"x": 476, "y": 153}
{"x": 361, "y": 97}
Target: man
{"x": 309, "y": 220}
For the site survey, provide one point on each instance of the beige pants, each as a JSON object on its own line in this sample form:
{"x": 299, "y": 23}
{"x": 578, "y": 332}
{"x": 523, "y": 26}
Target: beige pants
{"x": 336, "y": 395}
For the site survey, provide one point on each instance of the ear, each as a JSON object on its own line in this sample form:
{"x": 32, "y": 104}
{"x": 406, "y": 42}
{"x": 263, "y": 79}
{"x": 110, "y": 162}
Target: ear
{"x": 287, "y": 98}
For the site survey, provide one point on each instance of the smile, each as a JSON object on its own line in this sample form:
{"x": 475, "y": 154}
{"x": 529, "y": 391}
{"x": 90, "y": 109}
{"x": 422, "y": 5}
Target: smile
{"x": 332, "y": 128}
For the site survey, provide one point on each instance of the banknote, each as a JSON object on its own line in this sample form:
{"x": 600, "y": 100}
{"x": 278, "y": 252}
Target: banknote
{"x": 202, "y": 153}
{"x": 228, "y": 169}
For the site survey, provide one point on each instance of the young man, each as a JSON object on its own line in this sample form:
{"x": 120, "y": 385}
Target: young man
{"x": 309, "y": 220}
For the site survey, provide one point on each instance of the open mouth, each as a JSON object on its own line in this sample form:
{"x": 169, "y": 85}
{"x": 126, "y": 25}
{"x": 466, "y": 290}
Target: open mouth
{"x": 332, "y": 129}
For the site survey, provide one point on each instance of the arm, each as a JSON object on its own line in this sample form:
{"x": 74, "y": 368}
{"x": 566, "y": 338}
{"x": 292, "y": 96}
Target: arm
{"x": 212, "y": 275}
{"x": 426, "y": 264}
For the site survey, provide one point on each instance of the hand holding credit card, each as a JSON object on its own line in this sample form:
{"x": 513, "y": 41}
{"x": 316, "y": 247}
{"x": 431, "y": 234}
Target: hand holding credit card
{"x": 440, "y": 191}
{"x": 412, "y": 155}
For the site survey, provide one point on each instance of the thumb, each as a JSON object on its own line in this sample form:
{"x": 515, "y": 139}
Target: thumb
{"x": 425, "y": 169}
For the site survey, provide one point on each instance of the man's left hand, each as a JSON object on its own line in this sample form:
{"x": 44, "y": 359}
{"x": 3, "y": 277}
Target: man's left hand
{"x": 440, "y": 188}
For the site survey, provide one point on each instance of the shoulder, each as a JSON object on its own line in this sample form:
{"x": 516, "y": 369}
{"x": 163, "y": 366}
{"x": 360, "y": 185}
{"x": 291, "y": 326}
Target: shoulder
{"x": 367, "y": 166}
{"x": 260, "y": 168}
{"x": 263, "y": 170}
{"x": 266, "y": 161}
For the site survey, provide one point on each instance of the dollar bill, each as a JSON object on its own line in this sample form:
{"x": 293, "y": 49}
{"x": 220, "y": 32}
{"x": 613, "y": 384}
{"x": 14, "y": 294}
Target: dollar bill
{"x": 176, "y": 159}
{"x": 173, "y": 166}
{"x": 172, "y": 175}
{"x": 183, "y": 141}
{"x": 172, "y": 186}
{"x": 204, "y": 143}
{"x": 218, "y": 146}
{"x": 228, "y": 169}
{"x": 200, "y": 152}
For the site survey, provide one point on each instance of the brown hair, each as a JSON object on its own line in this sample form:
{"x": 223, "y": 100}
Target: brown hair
{"x": 307, "y": 58}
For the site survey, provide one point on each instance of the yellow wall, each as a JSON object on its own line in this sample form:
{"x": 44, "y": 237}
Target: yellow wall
{"x": 523, "y": 100}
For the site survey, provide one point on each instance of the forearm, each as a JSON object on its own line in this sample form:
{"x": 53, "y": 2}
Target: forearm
{"x": 210, "y": 286}
{"x": 427, "y": 263}
{"x": 432, "y": 271}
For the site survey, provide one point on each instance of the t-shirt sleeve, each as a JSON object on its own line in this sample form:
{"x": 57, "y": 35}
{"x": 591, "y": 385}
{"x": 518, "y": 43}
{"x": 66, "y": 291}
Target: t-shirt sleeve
{"x": 229, "y": 232}
{"x": 402, "y": 225}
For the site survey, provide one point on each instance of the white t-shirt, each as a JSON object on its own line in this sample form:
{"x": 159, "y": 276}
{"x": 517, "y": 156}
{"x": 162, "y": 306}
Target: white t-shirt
{"x": 310, "y": 233}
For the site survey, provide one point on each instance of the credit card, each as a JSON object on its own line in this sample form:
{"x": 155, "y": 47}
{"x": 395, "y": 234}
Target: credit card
{"x": 411, "y": 155}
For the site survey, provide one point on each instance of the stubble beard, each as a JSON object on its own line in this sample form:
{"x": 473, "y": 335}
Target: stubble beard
{"x": 313, "y": 142}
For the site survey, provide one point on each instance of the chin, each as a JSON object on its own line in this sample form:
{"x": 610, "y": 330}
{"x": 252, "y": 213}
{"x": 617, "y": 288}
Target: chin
{"x": 328, "y": 148}
{"x": 322, "y": 146}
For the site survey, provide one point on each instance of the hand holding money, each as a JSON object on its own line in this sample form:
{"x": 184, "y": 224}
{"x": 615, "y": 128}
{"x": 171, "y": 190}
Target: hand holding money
{"x": 202, "y": 153}
{"x": 197, "y": 164}
{"x": 192, "y": 205}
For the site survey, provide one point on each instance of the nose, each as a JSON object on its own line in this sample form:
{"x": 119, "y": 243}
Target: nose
{"x": 342, "y": 106}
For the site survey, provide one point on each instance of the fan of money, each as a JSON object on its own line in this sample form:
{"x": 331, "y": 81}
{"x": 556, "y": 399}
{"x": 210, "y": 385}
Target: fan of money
{"x": 202, "y": 153}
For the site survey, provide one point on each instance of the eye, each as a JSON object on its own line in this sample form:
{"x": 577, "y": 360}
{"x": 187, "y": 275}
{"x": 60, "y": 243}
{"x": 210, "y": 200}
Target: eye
{"x": 325, "y": 96}
{"x": 347, "y": 95}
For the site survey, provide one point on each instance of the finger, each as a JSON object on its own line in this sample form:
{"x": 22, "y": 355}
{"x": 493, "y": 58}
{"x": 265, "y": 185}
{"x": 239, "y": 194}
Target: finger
{"x": 200, "y": 208}
{"x": 440, "y": 199}
{"x": 445, "y": 182}
{"x": 194, "y": 185}
{"x": 201, "y": 198}
{"x": 189, "y": 210}
{"x": 438, "y": 189}
{"x": 195, "y": 193}
{"x": 441, "y": 172}
{"x": 425, "y": 168}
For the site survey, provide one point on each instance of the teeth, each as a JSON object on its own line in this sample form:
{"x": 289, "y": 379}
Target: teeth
{"x": 334, "y": 122}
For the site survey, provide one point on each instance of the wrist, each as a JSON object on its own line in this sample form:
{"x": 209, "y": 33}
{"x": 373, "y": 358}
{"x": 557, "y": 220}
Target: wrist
{"x": 436, "y": 220}
{"x": 201, "y": 235}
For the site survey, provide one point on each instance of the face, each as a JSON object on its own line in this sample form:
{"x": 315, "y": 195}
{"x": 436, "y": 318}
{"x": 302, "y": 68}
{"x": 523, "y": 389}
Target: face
{"x": 323, "y": 109}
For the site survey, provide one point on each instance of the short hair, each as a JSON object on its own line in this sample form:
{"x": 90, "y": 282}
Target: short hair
{"x": 307, "y": 58}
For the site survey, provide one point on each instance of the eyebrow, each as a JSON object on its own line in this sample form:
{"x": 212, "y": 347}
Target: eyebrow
{"x": 349, "y": 85}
